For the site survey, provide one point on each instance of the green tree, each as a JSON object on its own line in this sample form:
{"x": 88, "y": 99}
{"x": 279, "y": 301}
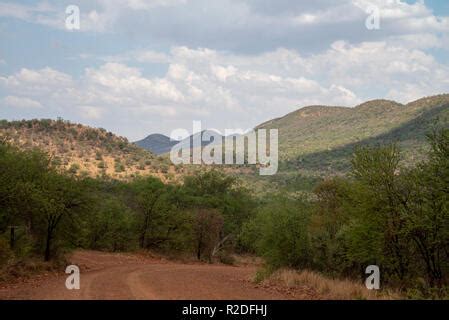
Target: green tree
{"x": 378, "y": 196}
{"x": 327, "y": 222}
{"x": 208, "y": 224}
{"x": 427, "y": 214}
{"x": 111, "y": 225}
{"x": 147, "y": 195}
{"x": 279, "y": 233}
{"x": 59, "y": 198}
{"x": 216, "y": 190}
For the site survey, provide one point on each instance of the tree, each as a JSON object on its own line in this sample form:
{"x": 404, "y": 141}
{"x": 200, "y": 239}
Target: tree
{"x": 428, "y": 211}
{"x": 279, "y": 233}
{"x": 59, "y": 197}
{"x": 378, "y": 198}
{"x": 147, "y": 194}
{"x": 18, "y": 177}
{"x": 110, "y": 225}
{"x": 327, "y": 222}
{"x": 34, "y": 195}
{"x": 207, "y": 226}
{"x": 216, "y": 190}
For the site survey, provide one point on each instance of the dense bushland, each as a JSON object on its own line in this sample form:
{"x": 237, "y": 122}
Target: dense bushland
{"x": 381, "y": 214}
{"x": 53, "y": 211}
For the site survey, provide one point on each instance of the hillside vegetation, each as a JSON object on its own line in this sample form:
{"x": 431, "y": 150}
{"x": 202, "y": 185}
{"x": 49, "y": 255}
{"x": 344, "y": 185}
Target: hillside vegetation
{"x": 315, "y": 142}
{"x": 319, "y": 128}
{"x": 86, "y": 151}
{"x": 382, "y": 213}
{"x": 318, "y": 141}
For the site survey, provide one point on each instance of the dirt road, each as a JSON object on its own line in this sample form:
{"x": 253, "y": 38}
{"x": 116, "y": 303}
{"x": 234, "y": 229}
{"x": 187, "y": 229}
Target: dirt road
{"x": 127, "y": 276}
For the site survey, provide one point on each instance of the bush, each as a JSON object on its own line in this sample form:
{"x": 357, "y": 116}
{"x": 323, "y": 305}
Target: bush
{"x": 279, "y": 233}
{"x": 5, "y": 252}
{"x": 74, "y": 168}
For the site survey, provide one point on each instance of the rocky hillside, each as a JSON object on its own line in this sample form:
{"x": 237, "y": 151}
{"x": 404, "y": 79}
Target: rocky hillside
{"x": 87, "y": 151}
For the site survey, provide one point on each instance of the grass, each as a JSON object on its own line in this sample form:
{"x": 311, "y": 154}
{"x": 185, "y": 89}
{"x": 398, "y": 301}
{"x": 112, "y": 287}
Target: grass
{"x": 29, "y": 267}
{"x": 323, "y": 287}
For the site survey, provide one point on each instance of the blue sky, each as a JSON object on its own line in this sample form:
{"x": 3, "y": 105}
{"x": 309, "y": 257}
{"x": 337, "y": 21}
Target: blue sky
{"x": 137, "y": 67}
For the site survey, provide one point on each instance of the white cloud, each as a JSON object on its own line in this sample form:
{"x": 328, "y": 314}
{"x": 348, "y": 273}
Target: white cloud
{"x": 142, "y": 56}
{"x": 89, "y": 112}
{"x": 146, "y": 5}
{"x": 234, "y": 60}
{"x": 417, "y": 41}
{"x": 52, "y": 13}
{"x": 223, "y": 89}
{"x": 46, "y": 76}
{"x": 20, "y": 102}
{"x": 47, "y": 82}
{"x": 226, "y": 89}
{"x": 8, "y": 9}
{"x": 239, "y": 24}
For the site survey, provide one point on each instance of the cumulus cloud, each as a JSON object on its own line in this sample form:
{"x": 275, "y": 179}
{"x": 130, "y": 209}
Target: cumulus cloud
{"x": 90, "y": 112}
{"x": 231, "y": 63}
{"x": 243, "y": 25}
{"x": 20, "y": 102}
{"x": 142, "y": 56}
{"x": 226, "y": 89}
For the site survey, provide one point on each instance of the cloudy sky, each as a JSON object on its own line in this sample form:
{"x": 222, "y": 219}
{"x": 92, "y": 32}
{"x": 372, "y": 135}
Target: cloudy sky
{"x": 137, "y": 67}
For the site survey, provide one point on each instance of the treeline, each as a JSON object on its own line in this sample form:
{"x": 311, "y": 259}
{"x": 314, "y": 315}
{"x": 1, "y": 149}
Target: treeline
{"x": 53, "y": 211}
{"x": 380, "y": 214}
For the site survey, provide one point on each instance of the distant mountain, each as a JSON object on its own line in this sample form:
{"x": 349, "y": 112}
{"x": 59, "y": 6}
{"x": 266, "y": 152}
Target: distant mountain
{"x": 157, "y": 143}
{"x": 160, "y": 144}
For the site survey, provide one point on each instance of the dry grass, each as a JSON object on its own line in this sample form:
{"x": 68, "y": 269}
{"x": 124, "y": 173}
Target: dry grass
{"x": 247, "y": 260}
{"x": 324, "y": 287}
{"x": 18, "y": 270}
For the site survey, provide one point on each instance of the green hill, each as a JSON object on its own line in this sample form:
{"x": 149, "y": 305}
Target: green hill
{"x": 315, "y": 142}
{"x": 318, "y": 141}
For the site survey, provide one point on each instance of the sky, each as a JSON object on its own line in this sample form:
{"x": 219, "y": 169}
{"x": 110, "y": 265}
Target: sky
{"x": 137, "y": 67}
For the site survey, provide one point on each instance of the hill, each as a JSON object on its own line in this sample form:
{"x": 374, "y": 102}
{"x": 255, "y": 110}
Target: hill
{"x": 157, "y": 143}
{"x": 314, "y": 142}
{"x": 318, "y": 141}
{"x": 321, "y": 128}
{"x": 86, "y": 151}
{"x": 161, "y": 144}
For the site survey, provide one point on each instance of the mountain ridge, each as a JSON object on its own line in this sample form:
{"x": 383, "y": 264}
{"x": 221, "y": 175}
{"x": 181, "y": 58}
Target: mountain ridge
{"x": 313, "y": 141}
{"x": 161, "y": 144}
{"x": 156, "y": 143}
